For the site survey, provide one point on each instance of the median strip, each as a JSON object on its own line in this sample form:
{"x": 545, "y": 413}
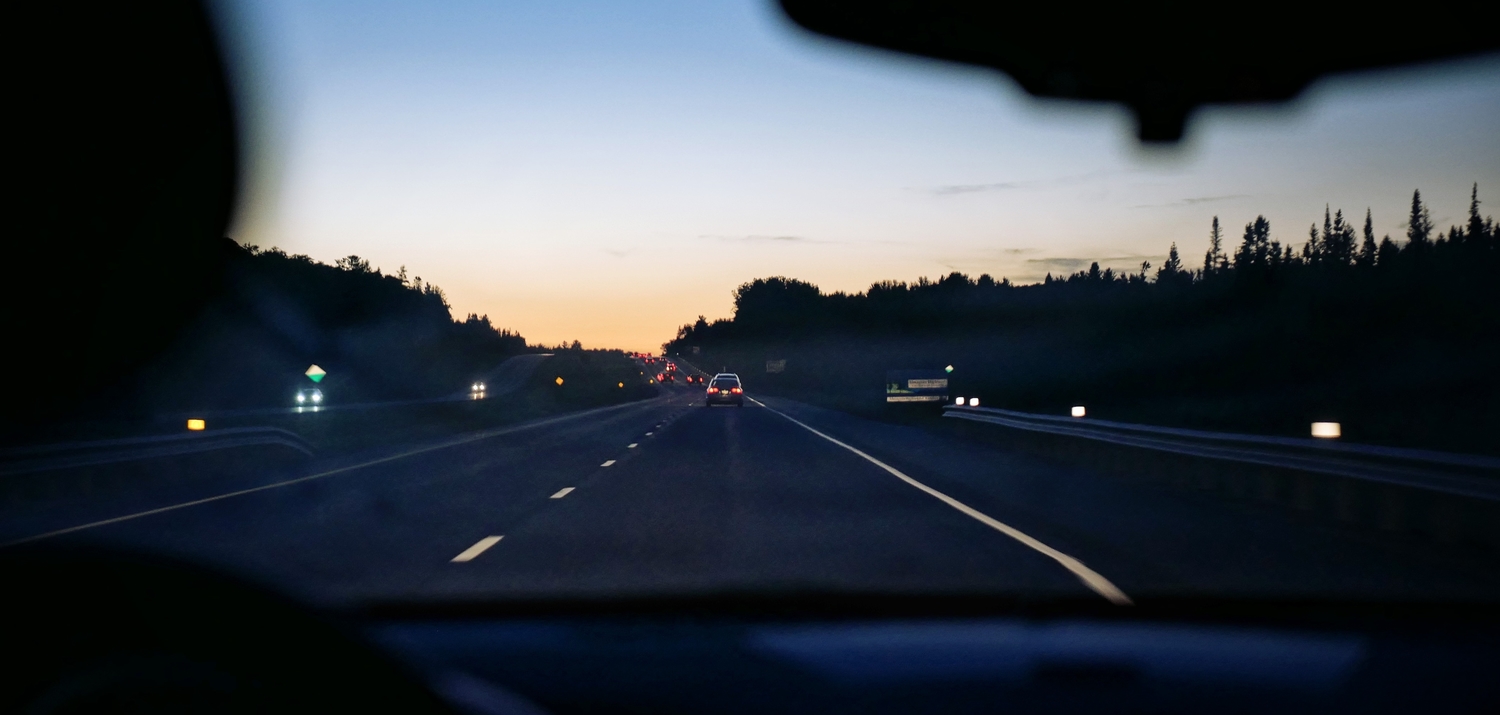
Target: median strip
{"x": 473, "y": 437}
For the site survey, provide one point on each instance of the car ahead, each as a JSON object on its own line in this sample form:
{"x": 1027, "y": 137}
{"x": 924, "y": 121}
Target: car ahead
{"x": 725, "y": 389}
{"x": 309, "y": 397}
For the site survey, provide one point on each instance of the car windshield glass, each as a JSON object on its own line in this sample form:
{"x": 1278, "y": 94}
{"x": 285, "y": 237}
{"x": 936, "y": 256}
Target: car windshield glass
{"x": 998, "y": 344}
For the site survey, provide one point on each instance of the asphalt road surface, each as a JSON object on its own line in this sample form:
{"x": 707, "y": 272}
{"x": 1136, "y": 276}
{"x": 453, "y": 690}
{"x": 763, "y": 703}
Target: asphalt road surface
{"x": 668, "y": 496}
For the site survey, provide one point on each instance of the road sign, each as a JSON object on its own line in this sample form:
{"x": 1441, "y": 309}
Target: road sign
{"x": 315, "y": 373}
{"x": 916, "y": 386}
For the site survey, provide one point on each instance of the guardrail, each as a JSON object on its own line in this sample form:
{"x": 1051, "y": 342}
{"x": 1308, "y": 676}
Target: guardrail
{"x": 1470, "y": 476}
{"x": 68, "y": 455}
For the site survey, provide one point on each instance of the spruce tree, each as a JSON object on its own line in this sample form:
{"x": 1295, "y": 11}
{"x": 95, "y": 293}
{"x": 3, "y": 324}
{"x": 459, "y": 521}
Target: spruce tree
{"x": 1419, "y": 225}
{"x": 1368, "y": 249}
{"x": 1214, "y": 260}
{"x": 1476, "y": 233}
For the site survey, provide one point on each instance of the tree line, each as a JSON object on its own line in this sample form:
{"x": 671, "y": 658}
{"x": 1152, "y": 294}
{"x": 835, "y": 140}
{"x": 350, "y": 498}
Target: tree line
{"x": 379, "y": 336}
{"x": 1398, "y": 335}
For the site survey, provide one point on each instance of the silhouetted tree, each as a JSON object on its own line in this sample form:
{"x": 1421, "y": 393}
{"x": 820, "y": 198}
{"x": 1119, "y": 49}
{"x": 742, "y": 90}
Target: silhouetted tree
{"x": 1215, "y": 260}
{"x": 1368, "y": 248}
{"x": 1418, "y": 225}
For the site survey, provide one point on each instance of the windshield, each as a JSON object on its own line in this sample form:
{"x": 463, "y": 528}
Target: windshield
{"x": 998, "y": 345}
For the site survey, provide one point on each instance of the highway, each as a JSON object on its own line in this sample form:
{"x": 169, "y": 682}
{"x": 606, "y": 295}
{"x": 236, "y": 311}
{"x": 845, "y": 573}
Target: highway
{"x": 667, "y": 496}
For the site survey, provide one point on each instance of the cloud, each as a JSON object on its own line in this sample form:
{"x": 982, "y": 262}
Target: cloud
{"x": 619, "y": 252}
{"x": 1193, "y": 201}
{"x": 1019, "y": 251}
{"x": 957, "y": 189}
{"x": 756, "y": 238}
{"x": 1073, "y": 265}
{"x": 954, "y": 189}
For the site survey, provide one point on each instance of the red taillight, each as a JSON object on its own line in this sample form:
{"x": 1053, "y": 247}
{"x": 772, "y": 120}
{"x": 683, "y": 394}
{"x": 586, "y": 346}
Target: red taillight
{"x": 736, "y": 390}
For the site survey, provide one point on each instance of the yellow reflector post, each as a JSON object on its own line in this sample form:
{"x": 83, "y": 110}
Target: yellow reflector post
{"x": 196, "y": 425}
{"x": 1326, "y": 430}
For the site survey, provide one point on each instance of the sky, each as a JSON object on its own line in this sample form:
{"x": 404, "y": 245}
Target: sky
{"x": 608, "y": 171}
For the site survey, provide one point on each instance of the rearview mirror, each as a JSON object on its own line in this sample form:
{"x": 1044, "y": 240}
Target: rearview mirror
{"x": 1161, "y": 61}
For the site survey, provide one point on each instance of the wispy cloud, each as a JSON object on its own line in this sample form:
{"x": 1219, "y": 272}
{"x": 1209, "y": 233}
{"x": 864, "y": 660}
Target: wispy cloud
{"x": 958, "y": 189}
{"x": 954, "y": 189}
{"x": 1077, "y": 264}
{"x": 1193, "y": 201}
{"x": 619, "y": 252}
{"x": 758, "y": 238}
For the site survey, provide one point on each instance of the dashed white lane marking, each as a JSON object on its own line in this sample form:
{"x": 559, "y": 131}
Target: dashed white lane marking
{"x": 648, "y": 434}
{"x": 607, "y": 462}
{"x": 478, "y": 548}
{"x": 632, "y": 445}
{"x": 1088, "y": 576}
{"x": 562, "y": 493}
{"x": 465, "y": 439}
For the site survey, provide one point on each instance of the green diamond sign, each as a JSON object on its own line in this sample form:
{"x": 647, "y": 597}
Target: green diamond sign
{"x": 315, "y": 373}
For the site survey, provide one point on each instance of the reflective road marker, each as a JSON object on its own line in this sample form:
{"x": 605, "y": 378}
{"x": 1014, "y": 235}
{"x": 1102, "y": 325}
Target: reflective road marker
{"x": 478, "y": 548}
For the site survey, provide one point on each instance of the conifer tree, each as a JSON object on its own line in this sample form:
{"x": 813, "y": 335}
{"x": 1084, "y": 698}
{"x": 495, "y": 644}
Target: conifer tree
{"x": 1476, "y": 230}
{"x": 1368, "y": 248}
{"x": 1214, "y": 260}
{"x": 1419, "y": 224}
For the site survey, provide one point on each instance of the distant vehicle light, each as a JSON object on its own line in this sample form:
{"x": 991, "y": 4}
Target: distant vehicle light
{"x": 301, "y": 397}
{"x": 973, "y": 401}
{"x": 1078, "y": 411}
{"x": 197, "y": 425}
{"x": 959, "y": 401}
{"x": 1327, "y": 430}
{"x": 737, "y": 390}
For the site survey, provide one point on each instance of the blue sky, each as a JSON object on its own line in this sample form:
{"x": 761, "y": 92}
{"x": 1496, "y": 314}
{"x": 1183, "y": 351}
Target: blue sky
{"x": 607, "y": 171}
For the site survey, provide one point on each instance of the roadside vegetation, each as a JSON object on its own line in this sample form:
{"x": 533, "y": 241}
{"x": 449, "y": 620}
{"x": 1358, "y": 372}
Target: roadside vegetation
{"x": 1397, "y": 339}
{"x": 591, "y": 378}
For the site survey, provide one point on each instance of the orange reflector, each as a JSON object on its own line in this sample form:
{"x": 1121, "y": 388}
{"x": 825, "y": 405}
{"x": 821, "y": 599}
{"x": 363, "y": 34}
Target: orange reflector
{"x": 196, "y": 425}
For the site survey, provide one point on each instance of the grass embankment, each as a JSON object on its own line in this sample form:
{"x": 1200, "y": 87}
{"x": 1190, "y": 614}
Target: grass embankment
{"x": 591, "y": 378}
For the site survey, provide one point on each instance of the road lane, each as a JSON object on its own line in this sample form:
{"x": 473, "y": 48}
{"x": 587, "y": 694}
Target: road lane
{"x": 729, "y": 499}
{"x": 706, "y": 500}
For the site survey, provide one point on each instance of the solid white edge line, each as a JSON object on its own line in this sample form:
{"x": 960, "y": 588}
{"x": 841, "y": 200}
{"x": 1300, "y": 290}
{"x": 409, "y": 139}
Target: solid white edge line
{"x": 561, "y": 493}
{"x": 431, "y": 448}
{"x": 1090, "y": 578}
{"x": 478, "y": 548}
{"x": 607, "y": 462}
